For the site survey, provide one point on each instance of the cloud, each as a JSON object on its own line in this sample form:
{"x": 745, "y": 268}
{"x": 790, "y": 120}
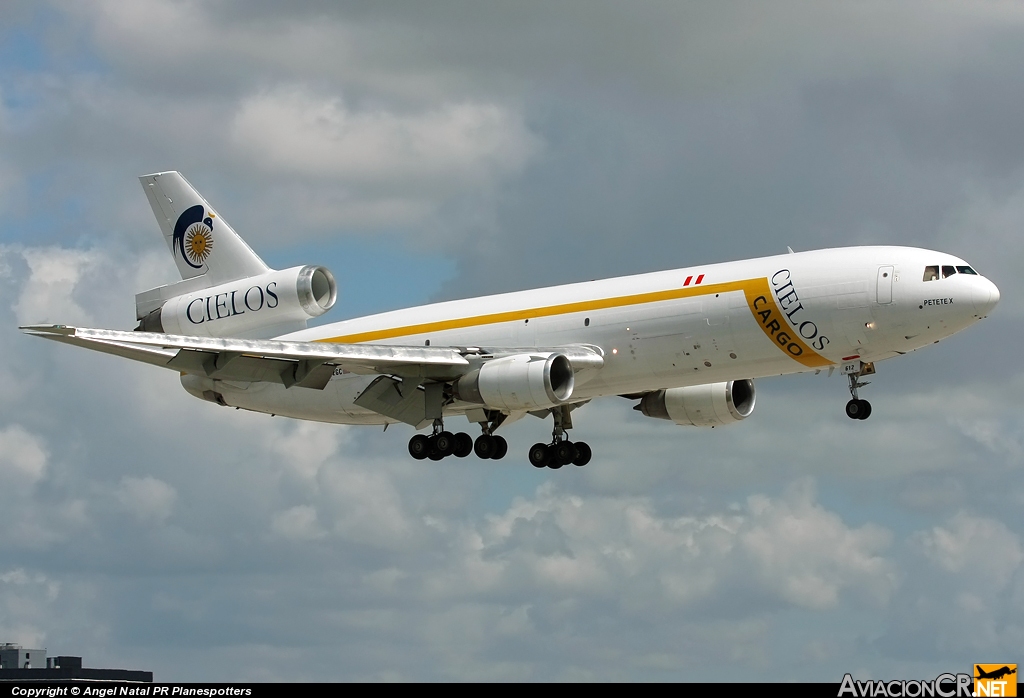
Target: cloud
{"x": 23, "y": 456}
{"x": 786, "y": 551}
{"x": 24, "y": 596}
{"x": 48, "y": 294}
{"x": 526, "y": 148}
{"x": 961, "y": 593}
{"x": 297, "y": 523}
{"x": 146, "y": 498}
{"x": 296, "y": 131}
{"x": 376, "y": 167}
{"x": 975, "y": 546}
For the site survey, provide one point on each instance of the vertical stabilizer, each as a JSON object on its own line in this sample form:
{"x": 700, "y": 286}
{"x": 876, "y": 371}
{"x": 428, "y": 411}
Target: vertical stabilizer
{"x": 201, "y": 242}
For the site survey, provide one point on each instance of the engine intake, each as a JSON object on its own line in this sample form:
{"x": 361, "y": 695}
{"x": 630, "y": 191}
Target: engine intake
{"x": 709, "y": 405}
{"x": 519, "y": 382}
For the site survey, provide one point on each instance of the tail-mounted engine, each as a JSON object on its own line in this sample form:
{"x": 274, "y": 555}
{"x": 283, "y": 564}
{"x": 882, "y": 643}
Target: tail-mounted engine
{"x": 710, "y": 405}
{"x": 258, "y": 306}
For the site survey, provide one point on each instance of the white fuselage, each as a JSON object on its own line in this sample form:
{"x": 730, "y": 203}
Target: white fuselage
{"x": 718, "y": 322}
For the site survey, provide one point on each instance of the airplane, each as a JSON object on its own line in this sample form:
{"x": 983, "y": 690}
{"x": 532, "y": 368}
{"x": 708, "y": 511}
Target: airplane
{"x": 685, "y": 344}
{"x": 996, "y": 673}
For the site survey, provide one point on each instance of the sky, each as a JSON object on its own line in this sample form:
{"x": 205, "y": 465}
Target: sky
{"x": 429, "y": 151}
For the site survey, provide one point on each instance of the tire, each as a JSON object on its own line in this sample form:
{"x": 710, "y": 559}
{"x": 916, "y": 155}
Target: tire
{"x": 419, "y": 446}
{"x": 853, "y": 409}
{"x": 501, "y": 447}
{"x": 539, "y": 455}
{"x": 463, "y": 445}
{"x": 564, "y": 452}
{"x": 485, "y": 446}
{"x": 583, "y": 454}
{"x": 435, "y": 455}
{"x": 445, "y": 443}
{"x": 865, "y": 410}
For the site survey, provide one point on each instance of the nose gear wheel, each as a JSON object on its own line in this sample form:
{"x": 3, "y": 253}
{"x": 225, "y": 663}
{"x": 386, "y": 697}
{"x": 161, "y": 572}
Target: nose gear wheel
{"x": 857, "y": 408}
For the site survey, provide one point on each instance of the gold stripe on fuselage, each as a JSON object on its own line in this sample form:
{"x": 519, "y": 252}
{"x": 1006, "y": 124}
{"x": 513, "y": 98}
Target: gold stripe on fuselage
{"x": 756, "y": 291}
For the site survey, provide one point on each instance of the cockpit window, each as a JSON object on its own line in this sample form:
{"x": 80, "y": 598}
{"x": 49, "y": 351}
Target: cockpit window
{"x": 966, "y": 270}
{"x": 948, "y": 271}
{"x": 931, "y": 273}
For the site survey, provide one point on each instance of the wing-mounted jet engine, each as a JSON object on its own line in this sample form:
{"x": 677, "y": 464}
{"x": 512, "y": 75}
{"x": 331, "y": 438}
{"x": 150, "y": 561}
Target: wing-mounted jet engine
{"x": 519, "y": 382}
{"x": 710, "y": 405}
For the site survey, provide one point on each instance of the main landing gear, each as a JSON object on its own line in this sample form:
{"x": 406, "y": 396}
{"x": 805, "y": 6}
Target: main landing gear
{"x": 441, "y": 444}
{"x": 857, "y": 408}
{"x": 560, "y": 451}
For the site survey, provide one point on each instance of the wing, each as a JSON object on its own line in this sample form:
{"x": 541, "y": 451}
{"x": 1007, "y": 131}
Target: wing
{"x": 304, "y": 364}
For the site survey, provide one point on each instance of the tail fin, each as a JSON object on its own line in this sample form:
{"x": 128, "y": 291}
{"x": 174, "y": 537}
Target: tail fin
{"x": 202, "y": 243}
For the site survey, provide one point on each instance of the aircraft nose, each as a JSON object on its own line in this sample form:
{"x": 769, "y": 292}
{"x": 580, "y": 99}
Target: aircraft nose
{"x": 985, "y": 296}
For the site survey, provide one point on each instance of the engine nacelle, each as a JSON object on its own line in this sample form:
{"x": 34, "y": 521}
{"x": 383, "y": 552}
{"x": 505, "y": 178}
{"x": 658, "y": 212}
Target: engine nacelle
{"x": 273, "y": 303}
{"x": 710, "y": 405}
{"x": 519, "y": 382}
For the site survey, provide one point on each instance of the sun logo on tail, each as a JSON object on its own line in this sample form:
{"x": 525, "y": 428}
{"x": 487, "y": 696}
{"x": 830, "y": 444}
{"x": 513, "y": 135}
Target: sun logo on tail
{"x": 198, "y": 243}
{"x": 193, "y": 236}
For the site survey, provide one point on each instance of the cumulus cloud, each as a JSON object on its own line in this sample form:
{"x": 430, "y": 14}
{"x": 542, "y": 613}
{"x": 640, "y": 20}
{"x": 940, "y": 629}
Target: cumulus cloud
{"x": 303, "y": 448}
{"x": 383, "y": 167}
{"x": 24, "y": 597}
{"x": 147, "y": 498}
{"x": 48, "y": 294}
{"x": 297, "y": 131}
{"x": 23, "y": 456}
{"x": 961, "y": 591}
{"x": 973, "y": 545}
{"x": 788, "y": 551}
{"x": 528, "y": 152}
{"x": 297, "y": 523}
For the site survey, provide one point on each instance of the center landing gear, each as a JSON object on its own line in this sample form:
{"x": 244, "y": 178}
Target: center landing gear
{"x": 489, "y": 445}
{"x": 560, "y": 451}
{"x": 857, "y": 408}
{"x": 440, "y": 444}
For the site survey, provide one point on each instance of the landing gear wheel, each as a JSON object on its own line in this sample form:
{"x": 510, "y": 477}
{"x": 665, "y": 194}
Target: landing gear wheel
{"x": 583, "y": 454}
{"x": 501, "y": 447}
{"x": 463, "y": 445}
{"x": 485, "y": 446}
{"x": 539, "y": 455}
{"x": 564, "y": 452}
{"x": 865, "y": 409}
{"x": 445, "y": 443}
{"x": 854, "y": 409}
{"x": 553, "y": 461}
{"x": 435, "y": 455}
{"x": 419, "y": 446}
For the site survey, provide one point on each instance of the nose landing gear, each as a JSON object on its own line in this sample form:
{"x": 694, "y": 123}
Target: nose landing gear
{"x": 857, "y": 408}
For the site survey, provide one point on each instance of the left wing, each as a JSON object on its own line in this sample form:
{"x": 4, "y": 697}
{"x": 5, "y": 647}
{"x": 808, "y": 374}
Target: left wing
{"x": 306, "y": 364}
